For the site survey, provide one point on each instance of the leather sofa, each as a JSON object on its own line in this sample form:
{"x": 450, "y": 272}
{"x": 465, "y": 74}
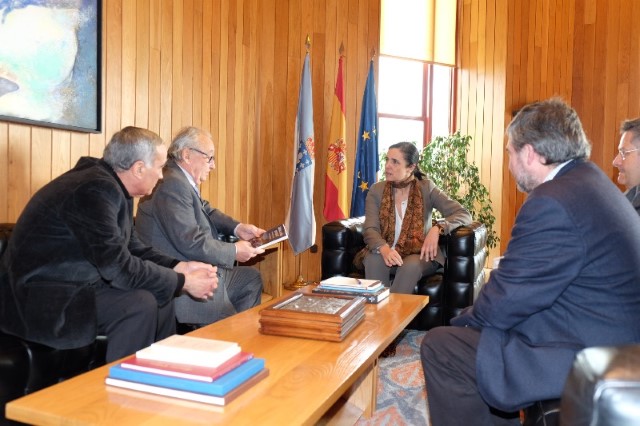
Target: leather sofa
{"x": 26, "y": 367}
{"x": 454, "y": 287}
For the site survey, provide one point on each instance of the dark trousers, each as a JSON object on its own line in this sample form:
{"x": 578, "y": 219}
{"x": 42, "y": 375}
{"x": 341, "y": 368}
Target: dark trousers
{"x": 131, "y": 320}
{"x": 244, "y": 287}
{"x": 448, "y": 356}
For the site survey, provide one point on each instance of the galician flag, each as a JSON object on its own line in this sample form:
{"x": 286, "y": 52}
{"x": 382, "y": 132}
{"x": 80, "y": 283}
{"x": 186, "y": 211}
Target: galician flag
{"x": 301, "y": 222}
{"x": 335, "y": 181}
{"x": 367, "y": 163}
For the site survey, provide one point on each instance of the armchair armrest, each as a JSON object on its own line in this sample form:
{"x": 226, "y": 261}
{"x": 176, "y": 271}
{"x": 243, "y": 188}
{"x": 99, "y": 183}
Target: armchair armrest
{"x": 341, "y": 241}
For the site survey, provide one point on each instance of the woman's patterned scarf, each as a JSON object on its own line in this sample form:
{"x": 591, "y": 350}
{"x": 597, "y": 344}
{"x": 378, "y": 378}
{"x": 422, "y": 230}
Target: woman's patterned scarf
{"x": 412, "y": 231}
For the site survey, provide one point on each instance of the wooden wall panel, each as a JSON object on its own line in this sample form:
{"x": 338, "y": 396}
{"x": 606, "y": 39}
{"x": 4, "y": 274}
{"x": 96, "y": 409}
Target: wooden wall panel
{"x": 231, "y": 66}
{"x": 584, "y": 51}
{"x": 482, "y": 47}
{"x": 40, "y": 158}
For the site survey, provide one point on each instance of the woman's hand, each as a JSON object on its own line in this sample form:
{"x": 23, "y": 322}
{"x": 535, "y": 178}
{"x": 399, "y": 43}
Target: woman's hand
{"x": 390, "y": 256}
{"x": 429, "y": 249}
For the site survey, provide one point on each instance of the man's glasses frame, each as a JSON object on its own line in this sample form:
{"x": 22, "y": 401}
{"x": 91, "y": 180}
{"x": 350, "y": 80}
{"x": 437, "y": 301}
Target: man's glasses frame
{"x": 211, "y": 158}
{"x": 624, "y": 152}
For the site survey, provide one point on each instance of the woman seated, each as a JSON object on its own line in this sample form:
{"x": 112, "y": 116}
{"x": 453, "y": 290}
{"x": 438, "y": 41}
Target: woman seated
{"x": 397, "y": 227}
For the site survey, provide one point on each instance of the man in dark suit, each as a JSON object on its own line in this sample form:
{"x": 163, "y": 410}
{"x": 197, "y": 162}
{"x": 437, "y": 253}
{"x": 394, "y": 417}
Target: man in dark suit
{"x": 569, "y": 279}
{"x": 176, "y": 221}
{"x": 627, "y": 161}
{"x": 74, "y": 268}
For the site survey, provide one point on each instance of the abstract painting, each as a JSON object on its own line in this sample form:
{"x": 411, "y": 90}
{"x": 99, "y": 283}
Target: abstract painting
{"x": 50, "y": 63}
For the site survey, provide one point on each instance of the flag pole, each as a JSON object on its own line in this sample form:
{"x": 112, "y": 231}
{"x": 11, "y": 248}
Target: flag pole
{"x": 301, "y": 216}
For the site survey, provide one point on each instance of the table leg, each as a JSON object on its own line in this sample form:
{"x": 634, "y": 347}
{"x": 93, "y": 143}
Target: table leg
{"x": 364, "y": 392}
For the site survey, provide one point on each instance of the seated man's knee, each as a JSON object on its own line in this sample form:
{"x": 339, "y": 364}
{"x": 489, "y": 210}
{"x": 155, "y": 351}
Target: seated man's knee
{"x": 143, "y": 302}
{"x": 433, "y": 339}
{"x": 255, "y": 275}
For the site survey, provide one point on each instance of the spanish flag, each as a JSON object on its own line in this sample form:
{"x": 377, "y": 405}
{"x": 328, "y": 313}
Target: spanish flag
{"x": 336, "y": 204}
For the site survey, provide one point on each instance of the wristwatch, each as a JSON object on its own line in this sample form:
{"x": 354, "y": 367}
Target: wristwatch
{"x": 441, "y": 226}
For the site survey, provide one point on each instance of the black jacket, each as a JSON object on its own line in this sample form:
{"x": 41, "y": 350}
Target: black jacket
{"x": 76, "y": 233}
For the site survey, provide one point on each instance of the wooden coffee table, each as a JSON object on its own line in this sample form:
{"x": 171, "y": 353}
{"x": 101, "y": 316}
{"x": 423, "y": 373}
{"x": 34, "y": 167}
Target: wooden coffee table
{"x": 309, "y": 381}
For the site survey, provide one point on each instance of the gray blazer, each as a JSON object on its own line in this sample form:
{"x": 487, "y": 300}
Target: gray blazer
{"x": 175, "y": 221}
{"x": 432, "y": 198}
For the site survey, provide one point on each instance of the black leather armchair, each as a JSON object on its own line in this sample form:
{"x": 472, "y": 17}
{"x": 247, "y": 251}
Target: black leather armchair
{"x": 453, "y": 288}
{"x": 603, "y": 388}
{"x": 26, "y": 367}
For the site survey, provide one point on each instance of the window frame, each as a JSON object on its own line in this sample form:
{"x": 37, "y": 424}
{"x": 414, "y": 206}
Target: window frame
{"x": 427, "y": 98}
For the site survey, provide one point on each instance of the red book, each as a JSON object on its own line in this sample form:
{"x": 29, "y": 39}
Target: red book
{"x": 186, "y": 371}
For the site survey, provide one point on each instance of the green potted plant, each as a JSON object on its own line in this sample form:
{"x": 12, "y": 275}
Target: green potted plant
{"x": 445, "y": 162}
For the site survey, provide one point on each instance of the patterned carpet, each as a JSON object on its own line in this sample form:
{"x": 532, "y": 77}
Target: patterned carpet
{"x": 402, "y": 396}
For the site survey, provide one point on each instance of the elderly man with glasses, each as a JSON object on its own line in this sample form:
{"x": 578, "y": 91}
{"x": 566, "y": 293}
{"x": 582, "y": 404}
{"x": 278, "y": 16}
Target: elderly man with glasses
{"x": 178, "y": 222}
{"x": 627, "y": 161}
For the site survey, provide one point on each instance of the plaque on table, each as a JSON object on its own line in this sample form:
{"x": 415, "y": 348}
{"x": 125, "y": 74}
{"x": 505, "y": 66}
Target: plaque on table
{"x": 313, "y": 316}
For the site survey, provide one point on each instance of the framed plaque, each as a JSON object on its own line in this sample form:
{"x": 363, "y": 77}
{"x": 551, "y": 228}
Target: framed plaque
{"x": 315, "y": 307}
{"x": 313, "y": 316}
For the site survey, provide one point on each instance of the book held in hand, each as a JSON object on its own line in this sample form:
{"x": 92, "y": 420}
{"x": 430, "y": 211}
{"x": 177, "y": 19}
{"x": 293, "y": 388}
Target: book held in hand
{"x": 270, "y": 237}
{"x": 194, "y": 350}
{"x": 184, "y": 370}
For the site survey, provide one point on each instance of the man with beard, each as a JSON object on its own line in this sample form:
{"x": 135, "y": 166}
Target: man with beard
{"x": 568, "y": 280}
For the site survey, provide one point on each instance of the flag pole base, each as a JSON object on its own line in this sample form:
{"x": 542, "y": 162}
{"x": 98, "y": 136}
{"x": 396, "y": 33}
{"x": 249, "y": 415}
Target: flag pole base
{"x": 297, "y": 284}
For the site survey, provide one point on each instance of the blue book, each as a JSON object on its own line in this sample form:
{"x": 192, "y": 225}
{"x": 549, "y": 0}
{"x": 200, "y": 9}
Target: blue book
{"x": 218, "y": 387}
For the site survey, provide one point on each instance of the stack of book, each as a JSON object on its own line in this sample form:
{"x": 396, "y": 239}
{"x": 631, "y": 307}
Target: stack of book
{"x": 313, "y": 316}
{"x": 372, "y": 290}
{"x": 191, "y": 368}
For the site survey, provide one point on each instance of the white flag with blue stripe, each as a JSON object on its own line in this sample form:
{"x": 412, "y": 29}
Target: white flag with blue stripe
{"x": 301, "y": 221}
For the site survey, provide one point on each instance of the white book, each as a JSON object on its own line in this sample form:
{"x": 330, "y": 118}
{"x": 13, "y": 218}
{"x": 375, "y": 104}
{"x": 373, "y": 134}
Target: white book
{"x": 348, "y": 282}
{"x": 190, "y": 350}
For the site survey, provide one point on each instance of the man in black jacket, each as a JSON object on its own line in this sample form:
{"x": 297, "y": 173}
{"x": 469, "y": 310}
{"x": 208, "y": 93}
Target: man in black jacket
{"x": 74, "y": 267}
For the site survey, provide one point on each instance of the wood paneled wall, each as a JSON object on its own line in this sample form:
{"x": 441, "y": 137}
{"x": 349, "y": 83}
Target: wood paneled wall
{"x": 512, "y": 52}
{"x": 230, "y": 66}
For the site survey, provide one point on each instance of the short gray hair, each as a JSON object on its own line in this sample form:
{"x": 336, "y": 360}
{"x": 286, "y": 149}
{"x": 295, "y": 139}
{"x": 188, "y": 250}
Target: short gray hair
{"x": 129, "y": 145}
{"x": 552, "y": 128}
{"x": 632, "y": 126}
{"x": 187, "y": 137}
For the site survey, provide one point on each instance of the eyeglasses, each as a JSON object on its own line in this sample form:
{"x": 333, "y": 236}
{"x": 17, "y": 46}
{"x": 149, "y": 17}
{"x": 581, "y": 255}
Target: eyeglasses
{"x": 623, "y": 152}
{"x": 211, "y": 158}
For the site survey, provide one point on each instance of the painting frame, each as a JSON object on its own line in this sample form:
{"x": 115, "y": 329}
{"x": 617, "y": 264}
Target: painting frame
{"x": 60, "y": 86}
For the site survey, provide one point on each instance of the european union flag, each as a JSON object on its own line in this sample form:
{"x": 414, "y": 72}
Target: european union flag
{"x": 367, "y": 164}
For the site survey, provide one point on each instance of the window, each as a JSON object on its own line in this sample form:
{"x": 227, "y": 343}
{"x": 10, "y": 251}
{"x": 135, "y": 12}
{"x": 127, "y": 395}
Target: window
{"x": 415, "y": 84}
